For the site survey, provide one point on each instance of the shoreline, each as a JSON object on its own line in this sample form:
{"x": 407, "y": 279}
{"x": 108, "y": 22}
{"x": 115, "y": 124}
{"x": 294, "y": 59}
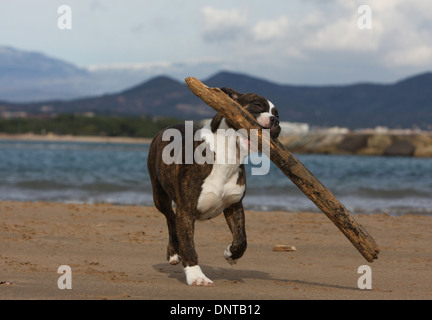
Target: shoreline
{"x": 119, "y": 252}
{"x": 312, "y": 210}
{"x": 71, "y": 138}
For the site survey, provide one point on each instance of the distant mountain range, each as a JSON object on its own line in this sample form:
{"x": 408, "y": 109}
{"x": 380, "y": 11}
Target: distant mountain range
{"x": 33, "y": 76}
{"x": 28, "y": 76}
{"x": 404, "y": 104}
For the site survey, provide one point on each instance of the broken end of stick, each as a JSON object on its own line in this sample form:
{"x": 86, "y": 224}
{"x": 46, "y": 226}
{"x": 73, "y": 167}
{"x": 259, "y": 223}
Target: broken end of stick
{"x": 374, "y": 256}
{"x": 190, "y": 80}
{"x": 368, "y": 248}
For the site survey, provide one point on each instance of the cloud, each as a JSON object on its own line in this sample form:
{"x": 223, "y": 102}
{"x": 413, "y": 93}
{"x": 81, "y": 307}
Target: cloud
{"x": 406, "y": 33}
{"x": 97, "y": 6}
{"x": 343, "y": 35}
{"x": 220, "y": 24}
{"x": 270, "y": 29}
{"x": 410, "y": 57}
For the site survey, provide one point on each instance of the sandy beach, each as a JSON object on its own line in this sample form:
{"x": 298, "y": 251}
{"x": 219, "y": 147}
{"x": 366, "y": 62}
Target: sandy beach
{"x": 119, "y": 252}
{"x": 71, "y": 138}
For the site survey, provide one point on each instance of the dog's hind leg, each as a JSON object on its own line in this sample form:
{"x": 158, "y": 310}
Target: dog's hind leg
{"x": 164, "y": 204}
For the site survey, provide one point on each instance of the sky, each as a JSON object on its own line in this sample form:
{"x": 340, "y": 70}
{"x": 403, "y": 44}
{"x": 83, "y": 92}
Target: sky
{"x": 311, "y": 42}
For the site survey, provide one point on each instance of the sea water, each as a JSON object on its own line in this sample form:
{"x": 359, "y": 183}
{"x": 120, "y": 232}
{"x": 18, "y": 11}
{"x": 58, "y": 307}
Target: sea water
{"x": 78, "y": 172}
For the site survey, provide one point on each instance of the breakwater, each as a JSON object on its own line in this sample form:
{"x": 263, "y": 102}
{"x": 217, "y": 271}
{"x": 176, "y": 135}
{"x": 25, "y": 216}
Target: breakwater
{"x": 379, "y": 144}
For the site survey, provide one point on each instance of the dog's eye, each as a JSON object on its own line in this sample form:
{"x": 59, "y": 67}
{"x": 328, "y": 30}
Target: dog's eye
{"x": 255, "y": 107}
{"x": 258, "y": 105}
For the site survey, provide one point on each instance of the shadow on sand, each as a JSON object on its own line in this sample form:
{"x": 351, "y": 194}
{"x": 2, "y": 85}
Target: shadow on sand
{"x": 238, "y": 275}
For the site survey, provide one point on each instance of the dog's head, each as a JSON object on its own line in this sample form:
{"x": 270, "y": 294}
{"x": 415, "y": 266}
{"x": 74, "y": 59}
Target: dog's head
{"x": 263, "y": 110}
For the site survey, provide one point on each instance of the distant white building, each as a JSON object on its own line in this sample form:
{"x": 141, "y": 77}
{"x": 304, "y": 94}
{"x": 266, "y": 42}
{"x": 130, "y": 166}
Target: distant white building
{"x": 293, "y": 127}
{"x": 286, "y": 127}
{"x": 13, "y": 114}
{"x": 381, "y": 130}
{"x": 337, "y": 130}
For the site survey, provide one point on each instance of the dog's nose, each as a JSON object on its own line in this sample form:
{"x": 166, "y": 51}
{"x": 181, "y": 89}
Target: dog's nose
{"x": 274, "y": 121}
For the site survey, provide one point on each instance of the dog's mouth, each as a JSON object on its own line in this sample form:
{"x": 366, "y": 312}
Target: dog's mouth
{"x": 274, "y": 130}
{"x": 271, "y": 124}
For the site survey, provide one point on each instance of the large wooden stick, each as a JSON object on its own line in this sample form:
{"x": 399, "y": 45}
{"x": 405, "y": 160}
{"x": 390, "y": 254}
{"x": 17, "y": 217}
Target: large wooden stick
{"x": 291, "y": 167}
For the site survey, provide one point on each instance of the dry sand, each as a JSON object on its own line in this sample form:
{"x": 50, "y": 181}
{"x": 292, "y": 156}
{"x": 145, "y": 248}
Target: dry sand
{"x": 119, "y": 252}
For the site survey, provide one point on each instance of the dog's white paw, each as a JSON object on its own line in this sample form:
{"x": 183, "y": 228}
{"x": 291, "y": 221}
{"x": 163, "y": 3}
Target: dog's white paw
{"x": 228, "y": 254}
{"x": 195, "y": 277}
{"x": 174, "y": 259}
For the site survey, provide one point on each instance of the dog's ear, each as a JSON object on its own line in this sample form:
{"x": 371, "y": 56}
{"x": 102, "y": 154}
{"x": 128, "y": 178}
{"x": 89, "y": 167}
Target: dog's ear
{"x": 231, "y": 93}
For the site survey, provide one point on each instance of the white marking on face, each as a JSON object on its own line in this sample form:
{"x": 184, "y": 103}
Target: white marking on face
{"x": 271, "y": 106}
{"x": 264, "y": 118}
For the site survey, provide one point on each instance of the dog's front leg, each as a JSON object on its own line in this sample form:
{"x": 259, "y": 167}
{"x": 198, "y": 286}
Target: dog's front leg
{"x": 185, "y": 234}
{"x": 235, "y": 218}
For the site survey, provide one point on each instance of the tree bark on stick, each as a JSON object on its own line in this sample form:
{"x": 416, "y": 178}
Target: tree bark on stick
{"x": 291, "y": 167}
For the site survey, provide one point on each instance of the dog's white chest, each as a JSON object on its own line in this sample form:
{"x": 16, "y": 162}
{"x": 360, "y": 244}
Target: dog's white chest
{"x": 220, "y": 190}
